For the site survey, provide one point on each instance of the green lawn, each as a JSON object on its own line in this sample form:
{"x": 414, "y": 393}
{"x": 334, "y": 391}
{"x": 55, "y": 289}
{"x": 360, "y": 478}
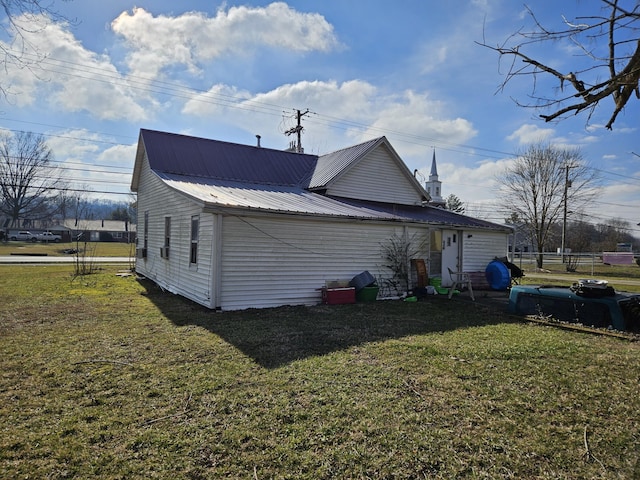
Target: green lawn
{"x": 108, "y": 377}
{"x": 101, "y": 249}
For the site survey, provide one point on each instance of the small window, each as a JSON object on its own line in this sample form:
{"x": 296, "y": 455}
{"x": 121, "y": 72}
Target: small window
{"x": 164, "y": 252}
{"x": 167, "y": 232}
{"x": 141, "y": 252}
{"x": 146, "y": 230}
{"x": 195, "y": 221}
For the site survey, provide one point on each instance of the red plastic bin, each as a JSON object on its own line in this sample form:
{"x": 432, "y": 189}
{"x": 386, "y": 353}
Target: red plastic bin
{"x": 337, "y": 296}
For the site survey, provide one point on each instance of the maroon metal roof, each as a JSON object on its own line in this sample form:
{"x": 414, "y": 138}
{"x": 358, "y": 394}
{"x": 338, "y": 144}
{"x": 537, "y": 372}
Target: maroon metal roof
{"x": 183, "y": 155}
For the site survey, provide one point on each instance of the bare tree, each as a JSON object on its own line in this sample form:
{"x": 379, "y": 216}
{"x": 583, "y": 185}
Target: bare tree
{"x": 609, "y": 40}
{"x": 28, "y": 180}
{"x": 21, "y": 19}
{"x": 541, "y": 184}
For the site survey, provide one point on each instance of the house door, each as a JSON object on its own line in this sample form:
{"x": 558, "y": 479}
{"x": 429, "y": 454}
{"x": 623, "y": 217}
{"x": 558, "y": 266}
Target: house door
{"x": 451, "y": 254}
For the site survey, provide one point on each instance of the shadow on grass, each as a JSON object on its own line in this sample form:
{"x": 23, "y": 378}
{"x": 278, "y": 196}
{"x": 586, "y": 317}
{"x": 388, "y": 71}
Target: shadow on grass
{"x": 274, "y": 337}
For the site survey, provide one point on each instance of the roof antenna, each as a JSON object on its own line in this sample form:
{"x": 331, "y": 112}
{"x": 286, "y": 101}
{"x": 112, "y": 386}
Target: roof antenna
{"x": 297, "y": 129}
{"x": 258, "y": 137}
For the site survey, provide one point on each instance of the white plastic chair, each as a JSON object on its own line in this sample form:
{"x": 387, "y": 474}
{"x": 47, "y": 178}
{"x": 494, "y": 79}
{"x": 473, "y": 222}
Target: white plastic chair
{"x": 460, "y": 278}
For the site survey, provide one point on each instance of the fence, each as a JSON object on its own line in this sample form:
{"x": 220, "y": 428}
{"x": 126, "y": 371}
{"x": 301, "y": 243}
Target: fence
{"x": 527, "y": 260}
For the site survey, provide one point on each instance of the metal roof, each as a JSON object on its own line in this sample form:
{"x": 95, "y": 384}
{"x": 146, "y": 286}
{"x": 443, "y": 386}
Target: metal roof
{"x": 200, "y": 157}
{"x": 229, "y": 175}
{"x": 428, "y": 214}
{"x": 274, "y": 198}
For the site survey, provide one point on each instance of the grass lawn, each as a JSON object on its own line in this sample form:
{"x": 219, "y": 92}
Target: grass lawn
{"x": 99, "y": 249}
{"x": 108, "y": 377}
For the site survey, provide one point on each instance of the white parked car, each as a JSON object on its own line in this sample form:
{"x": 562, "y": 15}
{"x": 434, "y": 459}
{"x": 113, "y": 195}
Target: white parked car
{"x": 49, "y": 237}
{"x": 24, "y": 236}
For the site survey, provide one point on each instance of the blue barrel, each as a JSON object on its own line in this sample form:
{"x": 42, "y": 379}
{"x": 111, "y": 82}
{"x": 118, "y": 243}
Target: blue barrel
{"x": 498, "y": 275}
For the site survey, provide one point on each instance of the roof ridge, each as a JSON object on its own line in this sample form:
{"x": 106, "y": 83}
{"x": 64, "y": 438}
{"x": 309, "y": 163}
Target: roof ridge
{"x": 358, "y": 145}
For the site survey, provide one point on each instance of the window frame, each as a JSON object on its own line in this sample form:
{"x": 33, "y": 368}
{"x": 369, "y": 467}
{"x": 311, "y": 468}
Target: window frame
{"x": 193, "y": 248}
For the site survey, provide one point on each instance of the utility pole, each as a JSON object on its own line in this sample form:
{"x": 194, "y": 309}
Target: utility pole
{"x": 298, "y": 129}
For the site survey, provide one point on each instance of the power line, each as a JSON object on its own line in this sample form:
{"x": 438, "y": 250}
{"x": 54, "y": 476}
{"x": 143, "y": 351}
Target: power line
{"x": 231, "y": 101}
{"x": 242, "y": 103}
{"x": 92, "y": 73}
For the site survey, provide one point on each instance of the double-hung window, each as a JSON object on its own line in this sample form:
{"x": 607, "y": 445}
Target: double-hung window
{"x": 167, "y": 237}
{"x": 195, "y": 225}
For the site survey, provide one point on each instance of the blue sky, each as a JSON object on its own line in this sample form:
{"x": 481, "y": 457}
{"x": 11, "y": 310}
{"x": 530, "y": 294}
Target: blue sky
{"x": 410, "y": 70}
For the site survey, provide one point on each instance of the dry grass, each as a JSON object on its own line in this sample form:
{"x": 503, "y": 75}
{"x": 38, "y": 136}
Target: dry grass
{"x": 108, "y": 377}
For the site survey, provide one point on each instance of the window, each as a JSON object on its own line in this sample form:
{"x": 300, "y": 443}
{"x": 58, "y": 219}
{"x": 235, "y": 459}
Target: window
{"x": 146, "y": 230}
{"x": 195, "y": 221}
{"x": 164, "y": 252}
{"x": 167, "y": 232}
{"x": 142, "y": 252}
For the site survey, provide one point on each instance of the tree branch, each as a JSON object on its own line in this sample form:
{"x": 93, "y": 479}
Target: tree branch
{"x": 619, "y": 85}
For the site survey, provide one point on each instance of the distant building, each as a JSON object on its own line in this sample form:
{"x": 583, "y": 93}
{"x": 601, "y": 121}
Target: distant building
{"x": 101, "y": 230}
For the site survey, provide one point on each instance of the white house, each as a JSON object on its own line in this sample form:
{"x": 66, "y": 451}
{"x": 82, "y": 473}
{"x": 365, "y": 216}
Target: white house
{"x": 234, "y": 226}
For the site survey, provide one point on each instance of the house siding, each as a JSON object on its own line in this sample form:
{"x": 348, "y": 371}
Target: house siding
{"x": 175, "y": 273}
{"x": 285, "y": 261}
{"x": 376, "y": 177}
{"x": 480, "y": 248}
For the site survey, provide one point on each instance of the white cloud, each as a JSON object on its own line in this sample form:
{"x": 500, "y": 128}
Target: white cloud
{"x": 67, "y": 76}
{"x": 85, "y": 163}
{"x": 365, "y": 112}
{"x": 73, "y": 145}
{"x": 193, "y": 38}
{"x": 618, "y": 200}
{"x": 529, "y": 133}
{"x": 417, "y": 115}
{"x": 118, "y": 156}
{"x": 475, "y": 185}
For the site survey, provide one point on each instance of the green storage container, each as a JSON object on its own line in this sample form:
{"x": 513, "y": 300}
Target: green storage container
{"x": 367, "y": 294}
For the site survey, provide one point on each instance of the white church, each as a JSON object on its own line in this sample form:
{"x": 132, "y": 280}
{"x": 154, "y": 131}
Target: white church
{"x": 434, "y": 186}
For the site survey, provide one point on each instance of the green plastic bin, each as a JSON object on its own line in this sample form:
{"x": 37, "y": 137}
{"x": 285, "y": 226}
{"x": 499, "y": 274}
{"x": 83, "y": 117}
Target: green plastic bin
{"x": 367, "y": 294}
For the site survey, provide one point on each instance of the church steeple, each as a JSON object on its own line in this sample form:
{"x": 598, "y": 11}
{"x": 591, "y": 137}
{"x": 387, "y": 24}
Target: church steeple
{"x": 434, "y": 186}
{"x": 434, "y": 168}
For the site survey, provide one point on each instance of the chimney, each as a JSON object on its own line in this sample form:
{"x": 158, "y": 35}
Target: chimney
{"x": 258, "y": 138}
